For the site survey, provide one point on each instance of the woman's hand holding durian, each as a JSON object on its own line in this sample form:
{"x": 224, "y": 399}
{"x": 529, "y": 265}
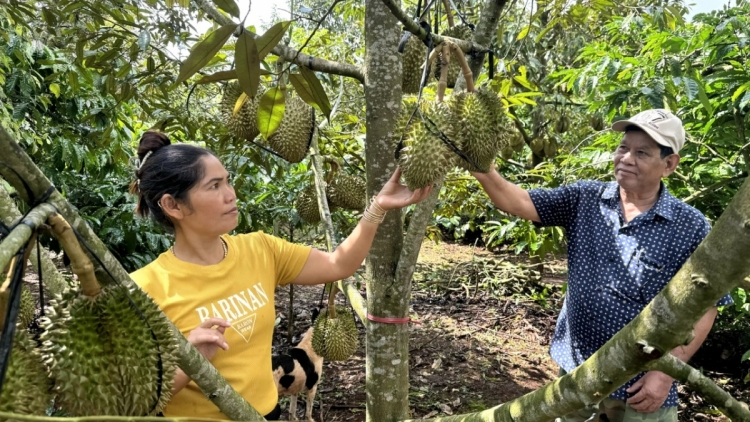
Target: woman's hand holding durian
{"x": 395, "y": 195}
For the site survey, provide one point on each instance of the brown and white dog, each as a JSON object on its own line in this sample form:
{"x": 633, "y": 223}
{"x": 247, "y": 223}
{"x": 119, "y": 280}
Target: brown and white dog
{"x": 298, "y": 371}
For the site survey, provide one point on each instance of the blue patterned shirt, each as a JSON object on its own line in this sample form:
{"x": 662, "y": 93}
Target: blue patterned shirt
{"x": 614, "y": 269}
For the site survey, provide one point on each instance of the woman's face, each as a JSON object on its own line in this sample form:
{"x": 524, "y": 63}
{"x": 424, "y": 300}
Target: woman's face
{"x": 213, "y": 205}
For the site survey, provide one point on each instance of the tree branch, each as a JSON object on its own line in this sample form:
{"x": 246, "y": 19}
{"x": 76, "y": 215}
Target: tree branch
{"x": 415, "y": 235}
{"x": 483, "y": 36}
{"x": 466, "y": 45}
{"x": 718, "y": 264}
{"x": 714, "y": 187}
{"x": 290, "y": 54}
{"x": 53, "y": 281}
{"x": 691, "y": 377}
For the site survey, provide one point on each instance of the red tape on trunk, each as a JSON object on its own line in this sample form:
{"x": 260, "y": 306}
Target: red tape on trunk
{"x": 391, "y": 320}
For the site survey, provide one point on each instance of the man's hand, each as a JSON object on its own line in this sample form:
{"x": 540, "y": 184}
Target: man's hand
{"x": 650, "y": 392}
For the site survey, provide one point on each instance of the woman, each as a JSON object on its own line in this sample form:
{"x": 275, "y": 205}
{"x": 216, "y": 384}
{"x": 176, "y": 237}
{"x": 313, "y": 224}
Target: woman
{"x": 218, "y": 289}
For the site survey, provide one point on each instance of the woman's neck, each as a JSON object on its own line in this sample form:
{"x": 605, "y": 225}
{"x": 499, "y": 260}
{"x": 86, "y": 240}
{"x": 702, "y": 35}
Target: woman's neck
{"x": 198, "y": 249}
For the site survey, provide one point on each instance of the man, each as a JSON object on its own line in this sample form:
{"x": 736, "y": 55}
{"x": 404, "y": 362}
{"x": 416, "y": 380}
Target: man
{"x": 626, "y": 240}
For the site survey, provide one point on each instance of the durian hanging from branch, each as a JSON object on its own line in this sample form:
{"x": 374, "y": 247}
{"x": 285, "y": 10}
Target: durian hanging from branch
{"x": 109, "y": 351}
{"x": 287, "y": 123}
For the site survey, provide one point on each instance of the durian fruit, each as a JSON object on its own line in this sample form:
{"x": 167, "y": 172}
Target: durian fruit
{"x": 462, "y": 32}
{"x": 424, "y": 158}
{"x": 244, "y": 123}
{"x": 307, "y": 205}
{"x": 335, "y": 334}
{"x": 517, "y": 142}
{"x": 597, "y": 122}
{"x": 550, "y": 147}
{"x": 347, "y": 191}
{"x": 293, "y": 136}
{"x": 481, "y": 127}
{"x": 412, "y": 59}
{"x": 27, "y": 308}
{"x": 26, "y": 389}
{"x": 111, "y": 354}
{"x": 562, "y": 124}
{"x": 506, "y": 154}
{"x": 537, "y": 146}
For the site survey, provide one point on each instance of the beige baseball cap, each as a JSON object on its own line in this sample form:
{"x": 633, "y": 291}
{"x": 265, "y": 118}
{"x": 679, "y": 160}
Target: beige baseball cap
{"x": 661, "y": 125}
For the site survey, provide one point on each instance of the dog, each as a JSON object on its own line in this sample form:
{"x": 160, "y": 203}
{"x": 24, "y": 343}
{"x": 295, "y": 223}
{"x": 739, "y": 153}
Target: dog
{"x": 298, "y": 371}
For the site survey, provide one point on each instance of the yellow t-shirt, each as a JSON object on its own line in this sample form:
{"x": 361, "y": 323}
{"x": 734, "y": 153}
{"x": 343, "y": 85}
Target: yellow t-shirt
{"x": 239, "y": 289}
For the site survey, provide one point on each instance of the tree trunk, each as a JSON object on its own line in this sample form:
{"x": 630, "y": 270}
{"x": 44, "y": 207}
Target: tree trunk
{"x": 719, "y": 264}
{"x": 387, "y": 344}
{"x": 53, "y": 281}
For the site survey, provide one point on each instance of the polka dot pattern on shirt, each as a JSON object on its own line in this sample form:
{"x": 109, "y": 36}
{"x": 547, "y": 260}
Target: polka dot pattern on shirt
{"x": 614, "y": 268}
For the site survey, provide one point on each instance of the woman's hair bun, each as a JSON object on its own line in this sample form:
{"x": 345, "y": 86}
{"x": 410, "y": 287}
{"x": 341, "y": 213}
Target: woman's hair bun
{"x": 151, "y": 141}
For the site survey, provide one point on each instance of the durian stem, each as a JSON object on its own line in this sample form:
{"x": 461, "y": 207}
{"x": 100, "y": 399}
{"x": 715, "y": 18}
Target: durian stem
{"x": 335, "y": 167}
{"x": 468, "y": 75}
{"x": 79, "y": 261}
{"x": 448, "y": 13}
{"x": 445, "y": 60}
{"x": 332, "y": 301}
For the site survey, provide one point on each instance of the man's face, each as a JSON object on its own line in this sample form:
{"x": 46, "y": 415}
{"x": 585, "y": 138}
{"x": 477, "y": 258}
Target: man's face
{"x": 638, "y": 162}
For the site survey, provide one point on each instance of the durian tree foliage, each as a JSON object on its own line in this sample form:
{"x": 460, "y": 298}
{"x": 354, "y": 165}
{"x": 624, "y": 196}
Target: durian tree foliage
{"x": 81, "y": 80}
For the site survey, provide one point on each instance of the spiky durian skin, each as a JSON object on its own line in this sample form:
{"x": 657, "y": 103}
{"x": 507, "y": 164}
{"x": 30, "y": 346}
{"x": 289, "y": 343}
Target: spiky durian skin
{"x": 414, "y": 55}
{"x": 105, "y": 356}
{"x": 293, "y": 136}
{"x": 462, "y": 32}
{"x": 424, "y": 158}
{"x": 476, "y": 124}
{"x": 243, "y": 124}
{"x": 76, "y": 356}
{"x": 26, "y": 389}
{"x": 335, "y": 339}
{"x": 307, "y": 205}
{"x": 150, "y": 365}
{"x": 346, "y": 191}
{"x": 27, "y": 308}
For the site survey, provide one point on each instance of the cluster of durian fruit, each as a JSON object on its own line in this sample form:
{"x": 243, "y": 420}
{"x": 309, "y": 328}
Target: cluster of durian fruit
{"x": 101, "y": 351}
{"x": 344, "y": 191}
{"x": 469, "y": 130}
{"x": 291, "y": 140}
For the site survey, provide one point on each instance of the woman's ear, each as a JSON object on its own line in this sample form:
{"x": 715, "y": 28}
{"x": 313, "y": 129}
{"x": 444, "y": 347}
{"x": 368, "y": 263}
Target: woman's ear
{"x": 171, "y": 208}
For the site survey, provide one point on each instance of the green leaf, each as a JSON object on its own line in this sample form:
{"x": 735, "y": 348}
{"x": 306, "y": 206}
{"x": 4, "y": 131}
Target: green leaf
{"x": 228, "y": 6}
{"x": 745, "y": 356}
{"x": 740, "y": 90}
{"x": 704, "y": 100}
{"x": 248, "y": 64}
{"x": 745, "y": 100}
{"x": 310, "y": 89}
{"x": 524, "y": 32}
{"x": 270, "y": 111}
{"x": 204, "y": 51}
{"x": 270, "y": 38}
{"x": 144, "y": 40}
{"x": 55, "y": 89}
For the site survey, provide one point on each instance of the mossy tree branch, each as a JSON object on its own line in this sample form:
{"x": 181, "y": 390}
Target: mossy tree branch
{"x": 289, "y": 54}
{"x": 718, "y": 265}
{"x": 53, "y": 281}
{"x": 20, "y": 171}
{"x": 691, "y": 377}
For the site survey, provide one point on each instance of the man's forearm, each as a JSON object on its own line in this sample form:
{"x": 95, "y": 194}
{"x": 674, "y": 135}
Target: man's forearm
{"x": 507, "y": 196}
{"x": 702, "y": 328}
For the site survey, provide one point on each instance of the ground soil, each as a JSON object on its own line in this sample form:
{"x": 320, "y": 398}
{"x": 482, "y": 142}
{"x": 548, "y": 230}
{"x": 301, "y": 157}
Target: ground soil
{"x": 473, "y": 351}
{"x": 479, "y": 343}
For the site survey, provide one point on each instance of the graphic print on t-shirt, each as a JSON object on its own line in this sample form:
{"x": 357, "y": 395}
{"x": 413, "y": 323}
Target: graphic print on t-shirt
{"x": 239, "y": 309}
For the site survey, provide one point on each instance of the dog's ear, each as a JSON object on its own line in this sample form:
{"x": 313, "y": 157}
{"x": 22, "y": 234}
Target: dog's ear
{"x": 314, "y": 315}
